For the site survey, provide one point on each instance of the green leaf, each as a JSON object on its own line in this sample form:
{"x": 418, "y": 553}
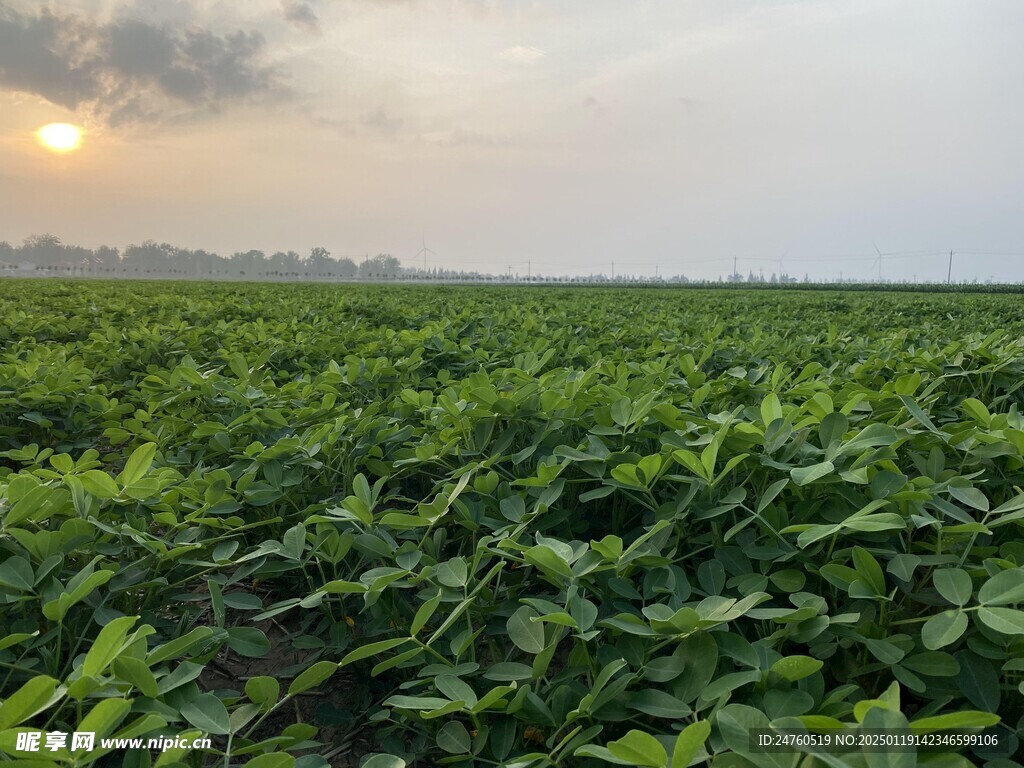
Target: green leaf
{"x": 771, "y": 408}
{"x": 954, "y": 585}
{"x": 600, "y": 753}
{"x": 341, "y": 587}
{"x": 627, "y": 475}
{"x": 372, "y": 649}
{"x": 248, "y": 641}
{"x": 80, "y": 586}
{"x": 869, "y": 570}
{"x": 795, "y": 668}
{"x": 934, "y": 663}
{"x": 107, "y": 645}
{"x": 970, "y": 496}
{"x": 548, "y": 561}
{"x": 658, "y": 704}
{"x": 942, "y": 629}
{"x": 689, "y": 742}
{"x": 1003, "y": 588}
{"x": 179, "y": 646}
{"x": 884, "y": 651}
{"x": 99, "y": 484}
{"x": 769, "y": 495}
{"x": 640, "y": 749}
{"x": 418, "y": 703}
{"x": 664, "y": 668}
{"x": 263, "y": 690}
{"x": 977, "y": 410}
{"x": 455, "y": 689}
{"x": 394, "y": 661}
{"x": 505, "y": 671}
{"x": 527, "y": 635}
{"x": 18, "y": 637}
{"x": 33, "y": 697}
{"x": 184, "y": 672}
{"x": 138, "y": 673}
{"x": 1004, "y": 620}
{"x": 138, "y": 464}
{"x": 424, "y": 613}
{"x": 806, "y": 475}
{"x": 454, "y": 738}
{"x": 955, "y": 720}
{"x": 978, "y": 680}
{"x": 453, "y": 573}
{"x": 916, "y": 411}
{"x": 103, "y": 718}
{"x": 649, "y": 466}
{"x": 207, "y": 713}
{"x": 16, "y": 574}
{"x": 312, "y": 677}
{"x": 384, "y": 761}
{"x": 902, "y": 566}
{"x": 239, "y": 366}
{"x": 216, "y": 603}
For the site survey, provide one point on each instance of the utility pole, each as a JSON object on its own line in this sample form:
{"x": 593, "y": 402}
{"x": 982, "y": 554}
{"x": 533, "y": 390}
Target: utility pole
{"x": 613, "y": 270}
{"x": 949, "y": 272}
{"x": 529, "y": 270}
{"x": 734, "y": 265}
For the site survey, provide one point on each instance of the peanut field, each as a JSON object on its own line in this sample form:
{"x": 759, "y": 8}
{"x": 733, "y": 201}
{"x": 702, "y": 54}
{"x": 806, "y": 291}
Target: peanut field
{"x": 521, "y": 527}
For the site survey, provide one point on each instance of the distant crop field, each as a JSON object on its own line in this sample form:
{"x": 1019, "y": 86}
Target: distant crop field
{"x": 521, "y": 527}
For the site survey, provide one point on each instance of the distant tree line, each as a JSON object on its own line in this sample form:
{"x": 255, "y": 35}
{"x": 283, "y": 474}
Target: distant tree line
{"x": 47, "y": 254}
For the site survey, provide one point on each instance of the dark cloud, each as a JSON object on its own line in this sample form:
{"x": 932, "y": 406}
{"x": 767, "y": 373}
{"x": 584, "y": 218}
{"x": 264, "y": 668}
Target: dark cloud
{"x": 129, "y": 70}
{"x": 301, "y": 15}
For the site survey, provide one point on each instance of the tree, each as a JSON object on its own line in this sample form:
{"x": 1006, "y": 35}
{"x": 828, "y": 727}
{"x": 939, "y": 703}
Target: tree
{"x": 248, "y": 263}
{"x": 42, "y": 250}
{"x": 346, "y": 268}
{"x": 381, "y": 266}
{"x": 319, "y": 261}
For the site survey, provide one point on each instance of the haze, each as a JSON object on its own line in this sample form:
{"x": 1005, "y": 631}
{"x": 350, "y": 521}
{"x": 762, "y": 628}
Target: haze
{"x": 668, "y": 135}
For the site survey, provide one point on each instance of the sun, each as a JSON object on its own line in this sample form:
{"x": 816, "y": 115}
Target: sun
{"x": 60, "y": 137}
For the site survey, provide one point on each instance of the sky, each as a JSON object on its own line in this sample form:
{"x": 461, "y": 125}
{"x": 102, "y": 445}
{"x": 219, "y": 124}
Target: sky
{"x": 555, "y": 136}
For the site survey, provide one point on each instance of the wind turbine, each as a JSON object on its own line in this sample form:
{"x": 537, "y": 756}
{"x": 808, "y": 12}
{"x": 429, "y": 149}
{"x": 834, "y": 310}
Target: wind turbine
{"x": 878, "y": 261}
{"x": 423, "y": 252}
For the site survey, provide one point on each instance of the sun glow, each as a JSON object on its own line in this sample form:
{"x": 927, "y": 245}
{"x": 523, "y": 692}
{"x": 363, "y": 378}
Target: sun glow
{"x": 60, "y": 137}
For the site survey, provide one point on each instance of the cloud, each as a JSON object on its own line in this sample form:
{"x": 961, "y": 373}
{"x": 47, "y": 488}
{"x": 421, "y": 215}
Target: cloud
{"x": 127, "y": 70}
{"x": 382, "y": 122}
{"x": 301, "y": 15}
{"x": 521, "y": 54}
{"x": 460, "y": 137}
